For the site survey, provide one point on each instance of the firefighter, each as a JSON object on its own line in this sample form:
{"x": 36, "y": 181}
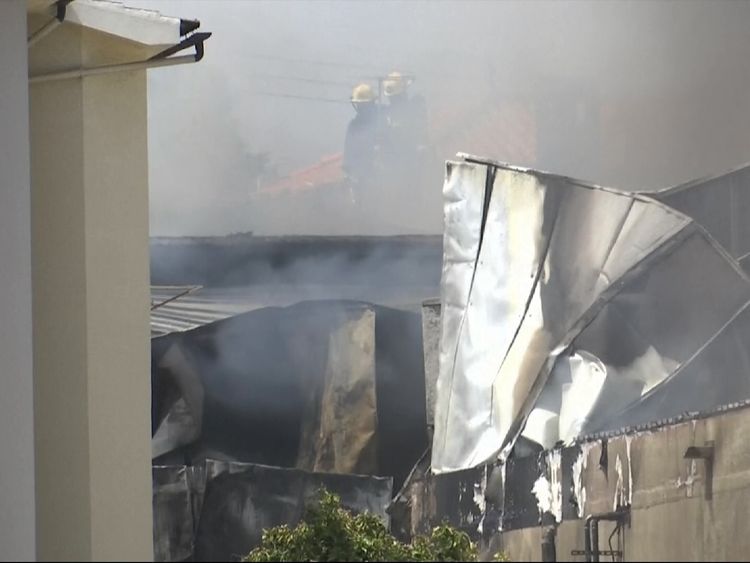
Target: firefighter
{"x": 361, "y": 140}
{"x": 406, "y": 117}
{"x": 405, "y": 157}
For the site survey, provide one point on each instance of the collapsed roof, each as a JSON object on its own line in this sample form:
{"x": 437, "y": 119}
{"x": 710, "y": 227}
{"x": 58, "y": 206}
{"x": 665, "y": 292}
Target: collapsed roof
{"x": 333, "y": 386}
{"x": 570, "y": 308}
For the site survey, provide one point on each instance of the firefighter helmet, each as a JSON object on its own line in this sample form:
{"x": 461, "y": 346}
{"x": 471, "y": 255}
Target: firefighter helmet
{"x": 362, "y": 94}
{"x": 394, "y": 84}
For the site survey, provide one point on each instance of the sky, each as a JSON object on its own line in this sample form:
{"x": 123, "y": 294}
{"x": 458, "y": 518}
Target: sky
{"x": 634, "y": 95}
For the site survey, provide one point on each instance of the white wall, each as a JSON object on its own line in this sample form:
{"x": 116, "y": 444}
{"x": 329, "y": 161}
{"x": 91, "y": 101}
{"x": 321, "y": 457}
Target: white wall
{"x": 17, "y": 519}
{"x": 89, "y": 171}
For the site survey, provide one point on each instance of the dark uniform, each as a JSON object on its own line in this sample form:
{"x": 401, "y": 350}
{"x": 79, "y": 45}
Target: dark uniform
{"x": 405, "y": 138}
{"x": 360, "y": 144}
{"x": 407, "y": 125}
{"x": 405, "y": 157}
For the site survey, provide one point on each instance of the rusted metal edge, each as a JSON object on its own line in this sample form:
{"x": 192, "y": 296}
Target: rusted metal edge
{"x": 664, "y": 422}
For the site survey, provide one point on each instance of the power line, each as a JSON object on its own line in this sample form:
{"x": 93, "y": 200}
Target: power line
{"x": 304, "y": 79}
{"x": 311, "y": 62}
{"x": 298, "y": 97}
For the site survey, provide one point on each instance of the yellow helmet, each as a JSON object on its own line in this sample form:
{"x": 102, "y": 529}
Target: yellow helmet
{"x": 394, "y": 84}
{"x": 363, "y": 93}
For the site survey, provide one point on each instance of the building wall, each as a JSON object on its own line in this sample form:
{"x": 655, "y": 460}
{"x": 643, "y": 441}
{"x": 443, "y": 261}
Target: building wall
{"x": 118, "y": 332}
{"x": 91, "y": 299}
{"x": 672, "y": 518}
{"x": 17, "y": 528}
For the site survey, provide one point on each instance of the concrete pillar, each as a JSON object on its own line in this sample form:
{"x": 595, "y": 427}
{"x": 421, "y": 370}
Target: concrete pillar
{"x": 91, "y": 306}
{"x": 16, "y": 382}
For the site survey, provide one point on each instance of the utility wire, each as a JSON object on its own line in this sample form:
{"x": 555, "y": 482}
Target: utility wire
{"x": 303, "y": 79}
{"x": 299, "y": 97}
{"x": 311, "y": 62}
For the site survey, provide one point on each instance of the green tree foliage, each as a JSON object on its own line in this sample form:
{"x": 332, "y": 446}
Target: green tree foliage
{"x": 331, "y": 533}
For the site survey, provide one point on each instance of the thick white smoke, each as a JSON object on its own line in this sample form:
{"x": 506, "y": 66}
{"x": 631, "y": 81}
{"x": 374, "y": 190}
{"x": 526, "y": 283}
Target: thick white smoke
{"x": 630, "y": 94}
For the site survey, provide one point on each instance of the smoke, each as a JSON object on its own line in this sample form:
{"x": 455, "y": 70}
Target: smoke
{"x": 637, "y": 95}
{"x": 394, "y": 271}
{"x": 263, "y": 376}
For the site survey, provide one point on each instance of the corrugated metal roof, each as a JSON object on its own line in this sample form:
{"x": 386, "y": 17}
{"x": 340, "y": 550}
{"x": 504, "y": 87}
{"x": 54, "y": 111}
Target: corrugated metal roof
{"x": 183, "y": 308}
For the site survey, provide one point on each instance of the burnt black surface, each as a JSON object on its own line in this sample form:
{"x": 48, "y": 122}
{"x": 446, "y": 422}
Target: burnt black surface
{"x": 716, "y": 376}
{"x": 719, "y": 204}
{"x": 569, "y": 501}
{"x": 520, "y": 509}
{"x": 454, "y": 499}
{"x": 174, "y": 518}
{"x": 400, "y": 387}
{"x": 239, "y": 504}
{"x": 257, "y": 370}
{"x": 254, "y": 379}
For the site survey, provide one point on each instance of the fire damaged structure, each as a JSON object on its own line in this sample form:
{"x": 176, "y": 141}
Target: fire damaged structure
{"x": 259, "y": 401}
{"x": 592, "y": 380}
{"x": 319, "y": 386}
{"x": 579, "y": 390}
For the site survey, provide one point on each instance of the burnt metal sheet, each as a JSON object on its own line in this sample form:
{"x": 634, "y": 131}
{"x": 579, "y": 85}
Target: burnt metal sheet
{"x": 529, "y": 260}
{"x": 431, "y": 349}
{"x": 520, "y": 509}
{"x": 266, "y": 387}
{"x": 648, "y": 350}
{"x": 721, "y": 204}
{"x": 241, "y": 500}
{"x": 427, "y": 500}
{"x": 177, "y": 396}
{"x": 174, "y": 516}
{"x": 574, "y": 387}
{"x": 332, "y": 386}
{"x": 340, "y": 420}
{"x": 717, "y": 374}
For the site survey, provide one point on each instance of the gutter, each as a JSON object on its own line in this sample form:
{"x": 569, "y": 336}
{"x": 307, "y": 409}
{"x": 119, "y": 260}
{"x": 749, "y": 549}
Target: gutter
{"x": 61, "y": 7}
{"x": 159, "y": 60}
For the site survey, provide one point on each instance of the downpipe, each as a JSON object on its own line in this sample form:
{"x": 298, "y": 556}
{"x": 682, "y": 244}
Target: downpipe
{"x": 591, "y": 532}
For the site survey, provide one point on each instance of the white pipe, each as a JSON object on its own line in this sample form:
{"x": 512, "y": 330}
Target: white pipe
{"x": 43, "y": 32}
{"x": 78, "y": 73}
